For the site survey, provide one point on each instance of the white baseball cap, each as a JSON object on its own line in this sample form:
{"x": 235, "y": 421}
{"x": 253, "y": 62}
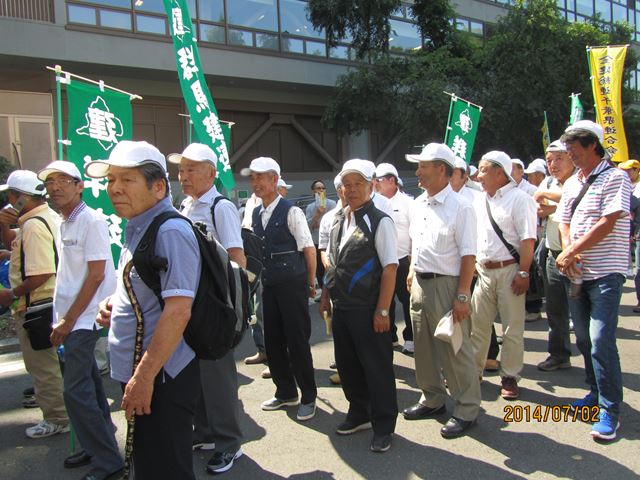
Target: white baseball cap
{"x": 502, "y": 160}
{"x": 196, "y": 152}
{"x": 472, "y": 170}
{"x": 557, "y": 146}
{"x": 365, "y": 168}
{"x": 261, "y": 165}
{"x": 537, "y": 166}
{"x": 24, "y": 181}
{"x": 60, "y": 166}
{"x": 282, "y": 183}
{"x": 434, "y": 151}
{"x": 461, "y": 164}
{"x": 126, "y": 154}
{"x": 337, "y": 181}
{"x": 517, "y": 161}
{"x": 386, "y": 169}
{"x": 587, "y": 126}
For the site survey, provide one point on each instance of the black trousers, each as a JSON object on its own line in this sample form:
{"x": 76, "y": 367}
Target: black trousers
{"x": 319, "y": 268}
{"x": 287, "y": 329}
{"x": 162, "y": 441}
{"x": 365, "y": 364}
{"x": 403, "y": 296}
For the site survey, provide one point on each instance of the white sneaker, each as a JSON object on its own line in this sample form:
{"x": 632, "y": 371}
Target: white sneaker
{"x": 408, "y": 347}
{"x": 45, "y": 429}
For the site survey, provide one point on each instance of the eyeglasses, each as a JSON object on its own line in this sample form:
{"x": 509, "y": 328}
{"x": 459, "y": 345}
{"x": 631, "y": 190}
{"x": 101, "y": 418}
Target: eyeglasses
{"x": 60, "y": 182}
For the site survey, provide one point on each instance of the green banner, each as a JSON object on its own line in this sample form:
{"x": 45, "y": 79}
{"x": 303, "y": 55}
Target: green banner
{"x": 546, "y": 134}
{"x": 194, "y": 87}
{"x": 462, "y": 128}
{"x": 97, "y": 121}
{"x": 577, "y": 112}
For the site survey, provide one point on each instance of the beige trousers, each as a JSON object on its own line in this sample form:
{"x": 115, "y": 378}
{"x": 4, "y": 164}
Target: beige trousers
{"x": 44, "y": 368}
{"x": 492, "y": 295}
{"x": 430, "y": 301}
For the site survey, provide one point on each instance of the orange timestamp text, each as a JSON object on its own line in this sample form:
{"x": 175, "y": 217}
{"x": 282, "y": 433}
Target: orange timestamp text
{"x": 548, "y": 413}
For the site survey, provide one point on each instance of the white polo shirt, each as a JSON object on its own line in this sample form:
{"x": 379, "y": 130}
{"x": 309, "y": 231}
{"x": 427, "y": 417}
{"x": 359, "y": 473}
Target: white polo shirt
{"x": 84, "y": 237}
{"x": 325, "y": 226}
{"x": 382, "y": 203}
{"x": 515, "y": 213}
{"x": 443, "y": 230}
{"x": 527, "y": 187}
{"x": 401, "y": 215}
{"x": 227, "y": 230}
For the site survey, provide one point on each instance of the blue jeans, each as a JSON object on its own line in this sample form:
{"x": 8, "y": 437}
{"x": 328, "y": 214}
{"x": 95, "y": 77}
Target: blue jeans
{"x": 637, "y": 277}
{"x": 595, "y": 319}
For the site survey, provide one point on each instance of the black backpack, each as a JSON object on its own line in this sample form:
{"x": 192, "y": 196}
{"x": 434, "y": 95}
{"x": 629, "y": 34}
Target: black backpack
{"x": 220, "y": 311}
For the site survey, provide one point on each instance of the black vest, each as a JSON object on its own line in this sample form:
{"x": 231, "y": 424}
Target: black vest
{"x": 353, "y": 278}
{"x": 280, "y": 256}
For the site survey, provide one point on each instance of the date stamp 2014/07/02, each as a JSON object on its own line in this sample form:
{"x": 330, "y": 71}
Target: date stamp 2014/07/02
{"x": 549, "y": 413}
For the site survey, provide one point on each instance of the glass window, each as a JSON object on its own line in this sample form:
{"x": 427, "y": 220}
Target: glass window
{"x": 603, "y": 7}
{"x": 150, "y": 24}
{"x": 211, "y": 33}
{"x": 155, "y": 6}
{"x": 261, "y": 14}
{"x": 620, "y": 13}
{"x": 476, "y": 28}
{"x": 240, "y": 37}
{"x": 316, "y": 48}
{"x": 571, "y": 5}
{"x": 404, "y": 36}
{"x": 340, "y": 51}
{"x": 293, "y": 19}
{"x": 212, "y": 10}
{"x": 462, "y": 24}
{"x": 560, "y": 4}
{"x": 268, "y": 41}
{"x": 192, "y": 8}
{"x": 585, "y": 7}
{"x": 292, "y": 45}
{"x": 115, "y": 19}
{"x": 78, "y": 14}
{"x": 113, "y": 3}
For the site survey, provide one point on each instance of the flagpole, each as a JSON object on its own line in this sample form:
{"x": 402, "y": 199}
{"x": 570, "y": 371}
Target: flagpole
{"x": 464, "y": 100}
{"x": 546, "y": 121}
{"x": 593, "y": 87}
{"x": 58, "y": 71}
{"x": 101, "y": 84}
{"x": 446, "y": 133}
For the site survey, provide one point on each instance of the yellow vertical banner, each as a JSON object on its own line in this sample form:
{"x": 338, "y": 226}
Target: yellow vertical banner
{"x": 606, "y": 66}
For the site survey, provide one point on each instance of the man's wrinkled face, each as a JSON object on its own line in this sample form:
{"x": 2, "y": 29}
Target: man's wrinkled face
{"x": 264, "y": 183}
{"x": 196, "y": 178}
{"x": 357, "y": 190}
{"x": 129, "y": 192}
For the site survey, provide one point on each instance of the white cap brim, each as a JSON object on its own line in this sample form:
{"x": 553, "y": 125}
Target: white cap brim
{"x": 347, "y": 172}
{"x": 100, "y": 168}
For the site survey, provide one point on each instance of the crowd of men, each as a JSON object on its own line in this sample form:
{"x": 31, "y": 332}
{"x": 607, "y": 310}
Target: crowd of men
{"x": 457, "y": 258}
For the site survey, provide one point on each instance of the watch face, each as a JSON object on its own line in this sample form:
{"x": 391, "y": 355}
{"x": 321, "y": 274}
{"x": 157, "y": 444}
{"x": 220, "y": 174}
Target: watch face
{"x": 463, "y": 298}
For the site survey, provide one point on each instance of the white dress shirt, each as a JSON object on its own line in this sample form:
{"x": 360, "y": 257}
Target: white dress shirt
{"x": 471, "y": 195}
{"x": 252, "y": 202}
{"x": 515, "y": 213}
{"x": 443, "y": 230}
{"x": 401, "y": 215}
{"x": 296, "y": 221}
{"x": 382, "y": 203}
{"x": 527, "y": 187}
{"x": 227, "y": 230}
{"x": 325, "y": 226}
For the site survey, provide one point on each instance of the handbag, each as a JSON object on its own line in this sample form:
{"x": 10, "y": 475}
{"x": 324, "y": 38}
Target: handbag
{"x": 38, "y": 318}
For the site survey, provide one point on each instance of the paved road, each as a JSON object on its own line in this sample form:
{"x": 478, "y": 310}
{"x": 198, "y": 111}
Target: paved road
{"x": 277, "y": 446}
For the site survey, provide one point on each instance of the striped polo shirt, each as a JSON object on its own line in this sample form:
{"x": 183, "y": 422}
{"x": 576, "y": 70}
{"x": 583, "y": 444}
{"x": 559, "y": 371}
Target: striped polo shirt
{"x": 609, "y": 193}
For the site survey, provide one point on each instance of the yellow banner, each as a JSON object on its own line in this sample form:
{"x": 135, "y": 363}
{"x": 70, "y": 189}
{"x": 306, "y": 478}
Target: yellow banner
{"x": 606, "y": 65}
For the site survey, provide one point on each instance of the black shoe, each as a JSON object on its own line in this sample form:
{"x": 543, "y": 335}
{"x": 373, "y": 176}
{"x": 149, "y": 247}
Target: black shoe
{"x": 78, "y": 459}
{"x": 333, "y": 366}
{"x": 348, "y": 427}
{"x": 380, "y": 443}
{"x": 552, "y": 363}
{"x": 419, "y": 411}
{"x": 28, "y": 392}
{"x": 455, "y": 427}
{"x": 222, "y": 461}
{"x": 109, "y": 476}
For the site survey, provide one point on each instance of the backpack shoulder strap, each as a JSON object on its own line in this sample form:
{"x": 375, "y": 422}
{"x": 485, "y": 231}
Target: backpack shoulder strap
{"x": 147, "y": 263}
{"x": 213, "y": 209}
{"x": 55, "y": 253}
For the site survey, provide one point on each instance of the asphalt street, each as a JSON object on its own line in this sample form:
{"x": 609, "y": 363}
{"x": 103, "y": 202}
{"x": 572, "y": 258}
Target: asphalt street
{"x": 277, "y": 446}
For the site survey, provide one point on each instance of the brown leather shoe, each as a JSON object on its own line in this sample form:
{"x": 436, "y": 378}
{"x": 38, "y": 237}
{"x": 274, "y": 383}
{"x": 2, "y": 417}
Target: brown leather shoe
{"x": 259, "y": 357}
{"x": 491, "y": 365}
{"x": 335, "y": 379}
{"x": 266, "y": 373}
{"x": 510, "y": 390}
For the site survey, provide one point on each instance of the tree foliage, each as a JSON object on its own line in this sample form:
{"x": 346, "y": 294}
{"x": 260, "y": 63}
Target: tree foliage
{"x": 531, "y": 62}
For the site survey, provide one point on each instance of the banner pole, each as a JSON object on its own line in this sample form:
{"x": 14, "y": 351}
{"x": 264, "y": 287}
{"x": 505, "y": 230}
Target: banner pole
{"x": 593, "y": 87}
{"x": 58, "y": 71}
{"x": 446, "y": 133}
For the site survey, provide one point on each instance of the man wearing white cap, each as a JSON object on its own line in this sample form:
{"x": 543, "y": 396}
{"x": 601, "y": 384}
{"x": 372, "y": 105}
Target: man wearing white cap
{"x": 386, "y": 184}
{"x": 32, "y": 275}
{"x": 460, "y": 181}
{"x": 536, "y": 171}
{"x": 85, "y": 276}
{"x": 162, "y": 390}
{"x": 506, "y": 235}
{"x": 518, "y": 176}
{"x": 443, "y": 235}
{"x": 288, "y": 280}
{"x": 557, "y": 307}
{"x": 314, "y": 212}
{"x": 594, "y": 226}
{"x": 216, "y": 423}
{"x": 283, "y": 188}
{"x": 360, "y": 282}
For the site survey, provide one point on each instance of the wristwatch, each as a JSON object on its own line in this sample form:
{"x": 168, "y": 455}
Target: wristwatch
{"x": 523, "y": 274}
{"x": 383, "y": 312}
{"x": 461, "y": 297}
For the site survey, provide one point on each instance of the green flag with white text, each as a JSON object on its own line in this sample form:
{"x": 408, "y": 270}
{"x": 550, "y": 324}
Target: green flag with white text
{"x": 97, "y": 121}
{"x": 577, "y": 112}
{"x": 194, "y": 87}
{"x": 464, "y": 118}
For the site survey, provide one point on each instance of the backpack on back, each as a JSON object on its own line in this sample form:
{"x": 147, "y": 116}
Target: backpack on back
{"x": 220, "y": 309}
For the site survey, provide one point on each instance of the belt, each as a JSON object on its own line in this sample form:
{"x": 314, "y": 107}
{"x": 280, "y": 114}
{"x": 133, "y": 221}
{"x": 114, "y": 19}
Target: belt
{"x": 492, "y": 265}
{"x": 430, "y": 276}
